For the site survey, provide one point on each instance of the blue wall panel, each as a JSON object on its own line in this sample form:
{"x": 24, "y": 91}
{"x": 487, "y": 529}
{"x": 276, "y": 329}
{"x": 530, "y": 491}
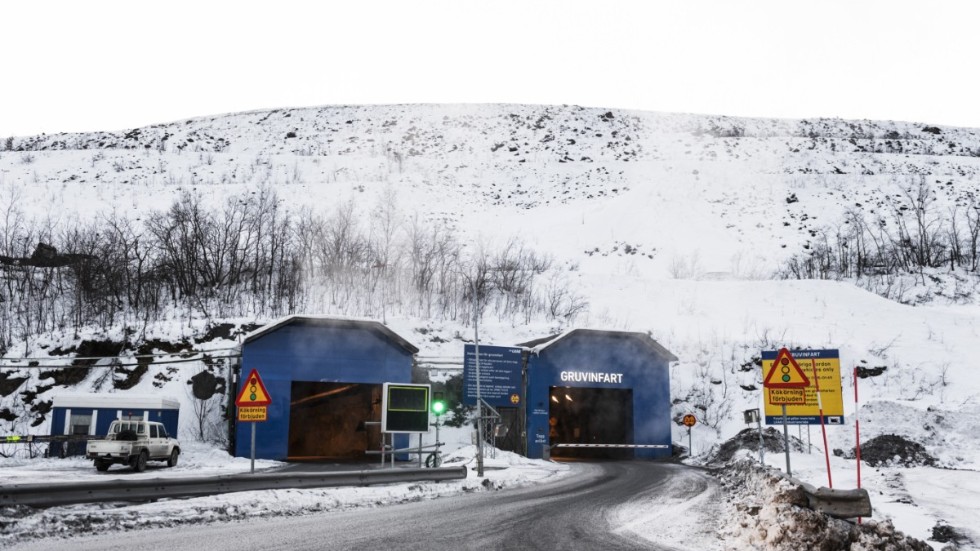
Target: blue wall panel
{"x": 642, "y": 370}
{"x": 312, "y": 352}
{"x": 106, "y": 415}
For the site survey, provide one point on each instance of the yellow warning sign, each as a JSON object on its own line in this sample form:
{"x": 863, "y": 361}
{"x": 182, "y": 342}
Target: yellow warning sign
{"x": 253, "y": 414}
{"x": 785, "y": 372}
{"x": 253, "y": 392}
{"x": 826, "y": 363}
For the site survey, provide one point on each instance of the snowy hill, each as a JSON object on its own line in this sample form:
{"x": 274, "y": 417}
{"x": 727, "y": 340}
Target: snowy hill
{"x": 704, "y": 231}
{"x": 754, "y": 190}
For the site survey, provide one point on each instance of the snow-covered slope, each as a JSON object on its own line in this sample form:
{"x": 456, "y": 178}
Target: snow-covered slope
{"x": 739, "y": 194}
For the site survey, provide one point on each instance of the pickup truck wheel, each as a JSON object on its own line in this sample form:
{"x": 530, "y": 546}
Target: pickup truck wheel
{"x": 173, "y": 458}
{"x": 140, "y": 464}
{"x": 102, "y": 465}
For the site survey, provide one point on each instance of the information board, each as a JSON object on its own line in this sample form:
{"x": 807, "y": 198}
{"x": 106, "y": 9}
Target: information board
{"x": 500, "y": 375}
{"x": 405, "y": 408}
{"x": 827, "y": 363}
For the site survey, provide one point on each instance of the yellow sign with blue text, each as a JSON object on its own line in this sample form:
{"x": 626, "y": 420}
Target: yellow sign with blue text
{"x": 826, "y": 364}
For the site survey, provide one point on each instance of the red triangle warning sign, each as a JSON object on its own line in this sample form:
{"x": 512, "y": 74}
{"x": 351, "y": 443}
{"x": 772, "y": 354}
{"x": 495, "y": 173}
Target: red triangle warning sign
{"x": 253, "y": 392}
{"x": 785, "y": 372}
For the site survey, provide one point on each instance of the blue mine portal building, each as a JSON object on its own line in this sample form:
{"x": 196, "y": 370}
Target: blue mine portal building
{"x": 324, "y": 377}
{"x": 588, "y": 387}
{"x": 583, "y": 387}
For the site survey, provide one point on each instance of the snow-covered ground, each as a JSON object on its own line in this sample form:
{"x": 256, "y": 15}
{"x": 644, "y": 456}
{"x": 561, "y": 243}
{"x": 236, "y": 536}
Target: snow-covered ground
{"x": 502, "y": 470}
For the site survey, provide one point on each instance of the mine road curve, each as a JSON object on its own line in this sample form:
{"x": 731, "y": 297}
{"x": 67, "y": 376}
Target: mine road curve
{"x": 569, "y": 514}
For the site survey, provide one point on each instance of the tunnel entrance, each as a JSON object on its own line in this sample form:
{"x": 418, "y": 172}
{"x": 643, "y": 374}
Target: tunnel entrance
{"x": 591, "y": 416}
{"x": 326, "y": 420}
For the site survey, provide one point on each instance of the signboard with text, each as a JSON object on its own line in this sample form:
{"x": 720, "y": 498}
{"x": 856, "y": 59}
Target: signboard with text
{"x": 801, "y": 403}
{"x": 500, "y": 375}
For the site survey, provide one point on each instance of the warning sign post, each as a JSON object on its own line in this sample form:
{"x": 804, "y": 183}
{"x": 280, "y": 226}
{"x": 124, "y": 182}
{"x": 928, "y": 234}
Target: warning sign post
{"x": 783, "y": 380}
{"x": 253, "y": 402}
{"x": 793, "y": 397}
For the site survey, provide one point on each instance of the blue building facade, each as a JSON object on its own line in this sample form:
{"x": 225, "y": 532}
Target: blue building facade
{"x": 598, "y": 387}
{"x": 308, "y": 366}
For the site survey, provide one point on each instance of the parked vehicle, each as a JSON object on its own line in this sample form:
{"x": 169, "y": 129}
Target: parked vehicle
{"x": 133, "y": 443}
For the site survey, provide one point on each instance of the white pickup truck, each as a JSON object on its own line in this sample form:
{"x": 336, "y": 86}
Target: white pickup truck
{"x": 133, "y": 443}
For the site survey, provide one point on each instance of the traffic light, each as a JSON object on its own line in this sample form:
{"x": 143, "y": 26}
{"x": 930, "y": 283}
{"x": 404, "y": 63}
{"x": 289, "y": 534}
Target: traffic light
{"x": 438, "y": 403}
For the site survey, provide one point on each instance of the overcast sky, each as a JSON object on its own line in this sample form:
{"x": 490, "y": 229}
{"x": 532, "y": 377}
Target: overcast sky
{"x": 109, "y": 65}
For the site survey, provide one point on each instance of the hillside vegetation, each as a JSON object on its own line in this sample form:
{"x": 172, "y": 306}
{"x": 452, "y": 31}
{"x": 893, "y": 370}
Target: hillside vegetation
{"x": 540, "y": 217}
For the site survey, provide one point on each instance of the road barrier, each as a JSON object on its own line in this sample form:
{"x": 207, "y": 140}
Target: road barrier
{"x": 49, "y": 495}
{"x": 836, "y": 503}
{"x": 546, "y": 452}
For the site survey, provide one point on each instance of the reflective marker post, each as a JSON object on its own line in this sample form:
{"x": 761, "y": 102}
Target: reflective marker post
{"x": 689, "y": 421}
{"x": 823, "y": 427}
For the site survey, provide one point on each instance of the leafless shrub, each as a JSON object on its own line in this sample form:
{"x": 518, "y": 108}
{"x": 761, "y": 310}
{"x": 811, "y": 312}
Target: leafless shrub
{"x": 912, "y": 238}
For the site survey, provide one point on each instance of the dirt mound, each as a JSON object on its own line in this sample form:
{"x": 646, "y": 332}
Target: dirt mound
{"x": 944, "y": 533}
{"x": 748, "y": 439}
{"x": 896, "y": 451}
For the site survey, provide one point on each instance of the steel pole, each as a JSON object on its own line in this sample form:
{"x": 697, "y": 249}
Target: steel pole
{"x": 857, "y": 431}
{"x": 762, "y": 446}
{"x": 253, "y": 447}
{"x": 436, "y": 462}
{"x": 789, "y": 471}
{"x": 479, "y": 397}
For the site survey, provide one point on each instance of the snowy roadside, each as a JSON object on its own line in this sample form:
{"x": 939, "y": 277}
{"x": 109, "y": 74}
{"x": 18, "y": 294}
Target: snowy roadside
{"x": 504, "y": 470}
{"x": 768, "y": 512}
{"x": 754, "y": 507}
{"x": 934, "y": 506}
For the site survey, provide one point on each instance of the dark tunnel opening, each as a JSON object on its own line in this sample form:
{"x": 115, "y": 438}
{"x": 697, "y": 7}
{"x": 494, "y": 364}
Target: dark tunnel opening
{"x": 590, "y": 416}
{"x": 327, "y": 421}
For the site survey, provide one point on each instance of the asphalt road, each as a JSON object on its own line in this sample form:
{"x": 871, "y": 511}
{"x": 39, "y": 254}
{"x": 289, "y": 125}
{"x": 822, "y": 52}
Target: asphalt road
{"x": 569, "y": 514}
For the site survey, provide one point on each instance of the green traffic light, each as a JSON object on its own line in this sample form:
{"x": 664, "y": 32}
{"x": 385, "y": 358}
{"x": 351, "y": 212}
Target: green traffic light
{"x": 438, "y": 407}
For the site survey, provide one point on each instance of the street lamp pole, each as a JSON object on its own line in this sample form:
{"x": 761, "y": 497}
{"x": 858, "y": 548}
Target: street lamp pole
{"x": 479, "y": 397}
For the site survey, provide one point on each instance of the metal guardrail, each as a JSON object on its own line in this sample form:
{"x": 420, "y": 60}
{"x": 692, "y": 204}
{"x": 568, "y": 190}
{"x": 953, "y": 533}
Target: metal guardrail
{"x": 49, "y": 495}
{"x": 838, "y": 503}
{"x": 631, "y": 446}
{"x": 28, "y": 438}
{"x": 546, "y": 452}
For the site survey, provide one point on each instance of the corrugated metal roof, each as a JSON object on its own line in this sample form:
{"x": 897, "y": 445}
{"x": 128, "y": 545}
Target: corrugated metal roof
{"x": 537, "y": 345}
{"x": 120, "y": 400}
{"x": 333, "y": 321}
